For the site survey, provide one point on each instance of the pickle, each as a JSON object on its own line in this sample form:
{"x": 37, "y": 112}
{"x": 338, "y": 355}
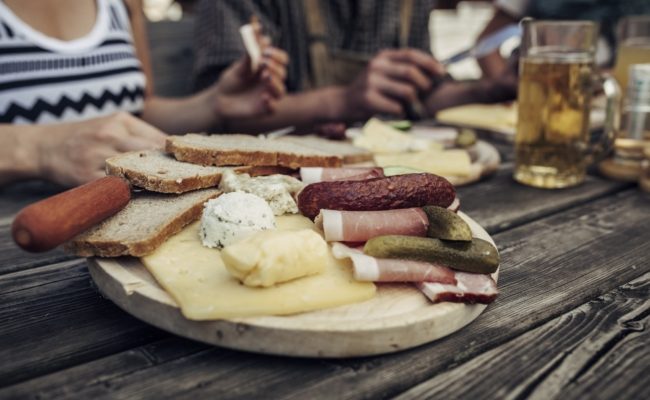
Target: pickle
{"x": 477, "y": 256}
{"x": 402, "y": 125}
{"x": 466, "y": 137}
{"x": 446, "y": 224}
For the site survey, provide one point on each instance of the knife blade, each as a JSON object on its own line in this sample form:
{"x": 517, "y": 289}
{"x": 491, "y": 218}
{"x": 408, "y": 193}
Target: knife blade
{"x": 486, "y": 45}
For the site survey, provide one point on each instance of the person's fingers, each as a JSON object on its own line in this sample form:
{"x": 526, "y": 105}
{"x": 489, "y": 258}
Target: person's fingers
{"x": 383, "y": 104}
{"x": 135, "y": 143}
{"x": 274, "y": 68}
{"x": 278, "y": 55}
{"x": 417, "y": 57}
{"x": 396, "y": 89}
{"x": 140, "y": 129}
{"x": 403, "y": 71}
{"x": 273, "y": 84}
{"x": 268, "y": 103}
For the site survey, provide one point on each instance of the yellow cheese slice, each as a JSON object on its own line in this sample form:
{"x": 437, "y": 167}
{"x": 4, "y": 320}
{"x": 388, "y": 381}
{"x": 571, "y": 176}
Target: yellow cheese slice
{"x": 496, "y": 117}
{"x": 197, "y": 279}
{"x": 455, "y": 162}
{"x": 379, "y": 137}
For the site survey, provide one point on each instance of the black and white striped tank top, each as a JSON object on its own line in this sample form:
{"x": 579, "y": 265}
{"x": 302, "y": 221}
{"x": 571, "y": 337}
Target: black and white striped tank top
{"x": 46, "y": 80}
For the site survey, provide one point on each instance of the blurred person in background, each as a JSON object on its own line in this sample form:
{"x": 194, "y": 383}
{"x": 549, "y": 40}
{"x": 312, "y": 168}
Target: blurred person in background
{"x": 75, "y": 89}
{"x": 349, "y": 59}
{"x": 607, "y": 13}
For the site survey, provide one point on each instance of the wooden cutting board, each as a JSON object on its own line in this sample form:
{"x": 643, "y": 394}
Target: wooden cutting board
{"x": 397, "y": 318}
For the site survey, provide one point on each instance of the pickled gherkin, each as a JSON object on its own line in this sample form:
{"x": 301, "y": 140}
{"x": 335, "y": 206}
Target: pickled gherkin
{"x": 477, "y": 256}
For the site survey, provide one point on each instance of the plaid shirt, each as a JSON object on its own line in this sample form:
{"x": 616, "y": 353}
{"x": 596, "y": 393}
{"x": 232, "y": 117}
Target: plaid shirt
{"x": 361, "y": 26}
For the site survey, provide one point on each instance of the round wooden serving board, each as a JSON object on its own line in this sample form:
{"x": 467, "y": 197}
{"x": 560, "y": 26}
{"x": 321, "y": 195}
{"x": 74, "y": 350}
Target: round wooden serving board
{"x": 397, "y": 318}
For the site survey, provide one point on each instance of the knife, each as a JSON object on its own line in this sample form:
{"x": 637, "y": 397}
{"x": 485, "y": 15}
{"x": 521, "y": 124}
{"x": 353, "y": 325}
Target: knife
{"x": 486, "y": 45}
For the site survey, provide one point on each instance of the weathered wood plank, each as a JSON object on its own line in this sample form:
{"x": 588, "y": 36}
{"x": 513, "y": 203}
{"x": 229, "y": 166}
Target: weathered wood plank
{"x": 13, "y": 259}
{"x": 549, "y": 267}
{"x": 67, "y": 383}
{"x": 53, "y": 318}
{"x": 499, "y": 203}
{"x": 16, "y": 196}
{"x": 595, "y": 350}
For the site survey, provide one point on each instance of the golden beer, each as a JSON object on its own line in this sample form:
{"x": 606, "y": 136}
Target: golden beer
{"x": 629, "y": 53}
{"x": 552, "y": 129}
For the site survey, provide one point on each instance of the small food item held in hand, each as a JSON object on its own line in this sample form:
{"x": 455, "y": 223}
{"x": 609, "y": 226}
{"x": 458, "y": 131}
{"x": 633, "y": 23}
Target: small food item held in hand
{"x": 232, "y": 217}
{"x": 277, "y": 190}
{"x": 271, "y": 257}
{"x": 250, "y": 38}
{"x": 401, "y": 191}
{"x": 446, "y": 224}
{"x": 477, "y": 256}
{"x": 316, "y": 174}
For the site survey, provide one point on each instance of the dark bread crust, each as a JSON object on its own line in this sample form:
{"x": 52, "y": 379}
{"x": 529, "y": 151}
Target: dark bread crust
{"x": 156, "y": 184}
{"x": 83, "y": 247}
{"x": 225, "y": 157}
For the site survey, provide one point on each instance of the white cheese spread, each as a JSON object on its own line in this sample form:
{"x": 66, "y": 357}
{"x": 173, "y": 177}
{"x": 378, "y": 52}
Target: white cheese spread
{"x": 277, "y": 189}
{"x": 232, "y": 217}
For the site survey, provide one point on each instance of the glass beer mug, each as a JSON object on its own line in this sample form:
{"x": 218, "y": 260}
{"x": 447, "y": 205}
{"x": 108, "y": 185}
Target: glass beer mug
{"x": 557, "y": 78}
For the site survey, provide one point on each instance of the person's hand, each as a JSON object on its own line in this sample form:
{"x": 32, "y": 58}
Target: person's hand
{"x": 241, "y": 92}
{"x": 74, "y": 153}
{"x": 392, "y": 79}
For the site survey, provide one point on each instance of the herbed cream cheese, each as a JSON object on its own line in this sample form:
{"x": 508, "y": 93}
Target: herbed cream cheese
{"x": 232, "y": 217}
{"x": 277, "y": 189}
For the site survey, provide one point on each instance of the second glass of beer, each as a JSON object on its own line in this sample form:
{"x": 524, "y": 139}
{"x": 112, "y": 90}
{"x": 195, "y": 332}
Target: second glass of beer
{"x": 556, "y": 81}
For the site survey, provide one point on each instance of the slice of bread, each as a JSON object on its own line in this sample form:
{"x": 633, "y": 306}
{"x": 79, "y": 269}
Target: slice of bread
{"x": 144, "y": 224}
{"x": 228, "y": 150}
{"x": 351, "y": 154}
{"x": 159, "y": 172}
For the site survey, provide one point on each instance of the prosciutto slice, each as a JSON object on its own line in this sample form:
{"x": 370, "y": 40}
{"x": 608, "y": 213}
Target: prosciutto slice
{"x": 469, "y": 288}
{"x": 360, "y": 226}
{"x": 316, "y": 174}
{"x": 371, "y": 269}
{"x": 437, "y": 282}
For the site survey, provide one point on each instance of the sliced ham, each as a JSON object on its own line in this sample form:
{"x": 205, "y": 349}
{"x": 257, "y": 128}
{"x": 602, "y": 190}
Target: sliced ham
{"x": 455, "y": 205}
{"x": 371, "y": 269}
{"x": 469, "y": 289}
{"x": 360, "y": 226}
{"x": 316, "y": 174}
{"x": 437, "y": 282}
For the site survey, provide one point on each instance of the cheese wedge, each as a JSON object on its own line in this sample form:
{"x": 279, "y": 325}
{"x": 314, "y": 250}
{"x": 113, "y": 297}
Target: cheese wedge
{"x": 380, "y": 137}
{"x": 454, "y": 162}
{"x": 195, "y": 276}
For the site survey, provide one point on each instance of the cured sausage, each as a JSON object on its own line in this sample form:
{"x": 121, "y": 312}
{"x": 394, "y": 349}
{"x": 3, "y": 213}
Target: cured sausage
{"x": 399, "y": 191}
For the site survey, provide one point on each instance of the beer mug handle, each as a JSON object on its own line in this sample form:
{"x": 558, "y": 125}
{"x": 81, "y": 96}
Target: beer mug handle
{"x": 603, "y": 143}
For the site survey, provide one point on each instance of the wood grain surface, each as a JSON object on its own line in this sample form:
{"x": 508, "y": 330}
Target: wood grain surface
{"x": 397, "y": 318}
{"x": 544, "y": 276}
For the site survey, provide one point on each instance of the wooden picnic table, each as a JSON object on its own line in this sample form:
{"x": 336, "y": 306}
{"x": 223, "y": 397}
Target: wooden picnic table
{"x": 571, "y": 321}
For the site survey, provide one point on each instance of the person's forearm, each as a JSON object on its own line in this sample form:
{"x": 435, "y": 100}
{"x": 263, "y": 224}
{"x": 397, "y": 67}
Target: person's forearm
{"x": 19, "y": 158}
{"x": 452, "y": 94}
{"x": 182, "y": 115}
{"x": 300, "y": 110}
